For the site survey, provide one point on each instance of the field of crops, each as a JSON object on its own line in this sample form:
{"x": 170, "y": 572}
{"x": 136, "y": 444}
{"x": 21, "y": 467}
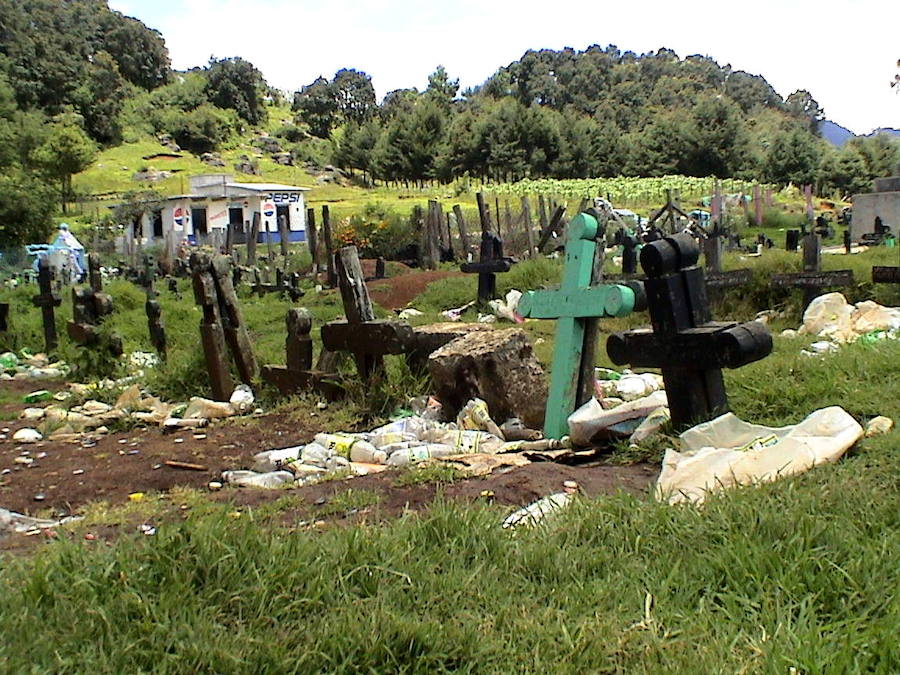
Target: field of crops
{"x": 626, "y": 191}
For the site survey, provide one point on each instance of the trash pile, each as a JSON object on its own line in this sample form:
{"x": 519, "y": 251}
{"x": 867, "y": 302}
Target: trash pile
{"x": 625, "y": 405}
{"x": 58, "y": 423}
{"x": 727, "y": 452}
{"x": 27, "y": 366}
{"x": 10, "y": 522}
{"x": 405, "y": 441}
{"x": 838, "y": 322}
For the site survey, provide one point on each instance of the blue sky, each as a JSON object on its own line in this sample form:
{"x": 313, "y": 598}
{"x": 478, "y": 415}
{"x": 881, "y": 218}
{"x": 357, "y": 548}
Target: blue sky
{"x": 845, "y": 53}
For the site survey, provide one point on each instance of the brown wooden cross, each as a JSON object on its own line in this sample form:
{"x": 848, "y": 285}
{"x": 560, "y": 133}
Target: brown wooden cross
{"x": 368, "y": 339}
{"x": 47, "y": 300}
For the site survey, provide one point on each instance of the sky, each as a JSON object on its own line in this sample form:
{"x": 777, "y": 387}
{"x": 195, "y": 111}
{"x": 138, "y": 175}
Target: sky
{"x": 844, "y": 52}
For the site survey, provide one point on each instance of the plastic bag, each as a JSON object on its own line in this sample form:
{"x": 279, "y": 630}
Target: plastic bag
{"x": 242, "y": 398}
{"x": 591, "y": 419}
{"x": 475, "y": 416}
{"x": 728, "y": 451}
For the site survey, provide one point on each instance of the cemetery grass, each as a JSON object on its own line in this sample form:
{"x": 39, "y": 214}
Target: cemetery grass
{"x": 796, "y": 574}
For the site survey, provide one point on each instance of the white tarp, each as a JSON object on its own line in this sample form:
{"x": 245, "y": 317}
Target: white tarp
{"x": 727, "y": 451}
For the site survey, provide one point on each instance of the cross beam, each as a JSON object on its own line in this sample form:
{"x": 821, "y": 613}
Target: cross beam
{"x": 684, "y": 342}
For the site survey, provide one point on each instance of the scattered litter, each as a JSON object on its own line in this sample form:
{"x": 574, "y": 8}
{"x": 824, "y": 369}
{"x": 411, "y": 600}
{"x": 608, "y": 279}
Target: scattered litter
{"x": 11, "y": 521}
{"x": 486, "y": 318}
{"x": 506, "y": 309}
{"x": 409, "y": 313}
{"x": 136, "y": 496}
{"x": 456, "y": 314}
{"x": 175, "y": 464}
{"x": 831, "y": 317}
{"x": 77, "y": 472}
{"x": 727, "y": 451}
{"x": 39, "y": 497}
{"x": 538, "y": 511}
{"x": 515, "y": 430}
{"x": 241, "y": 400}
{"x": 214, "y": 485}
{"x": 37, "y": 396}
{"x": 272, "y": 479}
{"x": 650, "y": 426}
{"x": 878, "y": 426}
{"x": 27, "y": 435}
{"x": 148, "y": 530}
{"x": 591, "y": 420}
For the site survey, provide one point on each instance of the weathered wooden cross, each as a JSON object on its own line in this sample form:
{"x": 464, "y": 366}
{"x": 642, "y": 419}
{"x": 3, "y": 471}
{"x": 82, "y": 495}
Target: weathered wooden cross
{"x": 716, "y": 278}
{"x": 684, "y": 342}
{"x": 298, "y": 374}
{"x": 222, "y": 322}
{"x": 47, "y": 299}
{"x": 368, "y": 339}
{"x": 573, "y": 305}
{"x": 812, "y": 279}
{"x": 90, "y": 306}
{"x": 4, "y": 317}
{"x": 491, "y": 263}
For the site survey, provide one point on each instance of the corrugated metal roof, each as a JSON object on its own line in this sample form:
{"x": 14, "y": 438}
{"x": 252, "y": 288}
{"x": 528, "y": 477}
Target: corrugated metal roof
{"x": 267, "y": 187}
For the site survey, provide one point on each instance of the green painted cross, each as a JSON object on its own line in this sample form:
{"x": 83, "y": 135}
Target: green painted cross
{"x": 573, "y": 305}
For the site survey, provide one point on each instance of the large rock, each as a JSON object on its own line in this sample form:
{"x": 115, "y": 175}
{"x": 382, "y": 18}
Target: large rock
{"x": 497, "y": 366}
{"x": 430, "y": 338}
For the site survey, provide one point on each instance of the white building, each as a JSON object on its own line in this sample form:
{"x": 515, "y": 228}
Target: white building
{"x": 215, "y": 204}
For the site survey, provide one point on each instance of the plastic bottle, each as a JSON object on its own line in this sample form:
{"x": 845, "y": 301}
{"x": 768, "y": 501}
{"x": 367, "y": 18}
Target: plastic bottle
{"x": 272, "y": 479}
{"x": 417, "y": 454}
{"x": 315, "y": 454}
{"x": 367, "y": 453}
{"x": 272, "y": 460}
{"x": 344, "y": 444}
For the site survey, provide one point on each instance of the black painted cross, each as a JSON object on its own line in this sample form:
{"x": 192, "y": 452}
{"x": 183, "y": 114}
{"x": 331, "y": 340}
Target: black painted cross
{"x": 47, "y": 300}
{"x": 491, "y": 263}
{"x": 684, "y": 342}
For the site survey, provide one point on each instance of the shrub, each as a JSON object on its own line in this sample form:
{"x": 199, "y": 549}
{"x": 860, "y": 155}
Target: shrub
{"x": 378, "y": 232}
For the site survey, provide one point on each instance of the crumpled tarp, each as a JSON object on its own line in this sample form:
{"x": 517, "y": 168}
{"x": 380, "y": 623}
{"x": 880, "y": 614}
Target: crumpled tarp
{"x": 727, "y": 451}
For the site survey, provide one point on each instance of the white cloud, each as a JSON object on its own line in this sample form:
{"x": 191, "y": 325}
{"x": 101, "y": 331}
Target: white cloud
{"x": 843, "y": 53}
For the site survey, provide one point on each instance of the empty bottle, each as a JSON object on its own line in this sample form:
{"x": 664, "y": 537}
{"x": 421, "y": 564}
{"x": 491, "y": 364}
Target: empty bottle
{"x": 417, "y": 454}
{"x": 272, "y": 479}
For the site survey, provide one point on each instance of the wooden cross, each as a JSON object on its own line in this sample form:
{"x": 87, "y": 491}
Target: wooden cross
{"x": 89, "y": 307}
{"x": 491, "y": 263}
{"x": 886, "y": 274}
{"x": 670, "y": 210}
{"x": 573, "y": 305}
{"x": 812, "y": 279}
{"x": 361, "y": 334}
{"x": 222, "y": 323}
{"x": 298, "y": 373}
{"x": 716, "y": 277}
{"x": 4, "y": 317}
{"x": 156, "y": 326}
{"x": 684, "y": 342}
{"x": 630, "y": 247}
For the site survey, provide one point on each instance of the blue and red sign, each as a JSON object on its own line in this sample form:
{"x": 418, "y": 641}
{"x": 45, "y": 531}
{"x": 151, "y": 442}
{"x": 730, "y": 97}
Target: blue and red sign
{"x": 180, "y": 216}
{"x": 268, "y": 209}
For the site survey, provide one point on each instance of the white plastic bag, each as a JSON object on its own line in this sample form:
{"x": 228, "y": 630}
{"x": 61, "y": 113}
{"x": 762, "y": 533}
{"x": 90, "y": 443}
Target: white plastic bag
{"x": 728, "y": 451}
{"x": 590, "y": 419}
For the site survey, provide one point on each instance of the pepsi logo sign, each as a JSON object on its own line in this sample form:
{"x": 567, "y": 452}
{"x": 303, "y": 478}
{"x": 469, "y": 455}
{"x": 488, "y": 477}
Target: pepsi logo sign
{"x": 268, "y": 209}
{"x": 180, "y": 215}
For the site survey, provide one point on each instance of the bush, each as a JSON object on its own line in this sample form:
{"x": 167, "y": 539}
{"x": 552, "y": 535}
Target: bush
{"x": 378, "y": 232}
{"x": 200, "y": 130}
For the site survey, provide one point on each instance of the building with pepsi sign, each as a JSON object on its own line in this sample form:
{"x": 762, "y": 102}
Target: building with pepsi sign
{"x": 216, "y": 204}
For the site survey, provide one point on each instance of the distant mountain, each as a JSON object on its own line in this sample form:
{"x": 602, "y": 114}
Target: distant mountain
{"x": 834, "y": 133}
{"x": 837, "y": 135}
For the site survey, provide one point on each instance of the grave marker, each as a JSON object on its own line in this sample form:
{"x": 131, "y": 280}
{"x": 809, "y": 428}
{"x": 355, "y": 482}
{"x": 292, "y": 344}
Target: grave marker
{"x": 572, "y": 306}
{"x": 4, "y": 317}
{"x": 222, "y": 324}
{"x": 684, "y": 342}
{"x": 491, "y": 262}
{"x": 368, "y": 339}
{"x": 812, "y": 279}
{"x": 716, "y": 277}
{"x": 47, "y": 299}
{"x": 89, "y": 307}
{"x": 298, "y": 374}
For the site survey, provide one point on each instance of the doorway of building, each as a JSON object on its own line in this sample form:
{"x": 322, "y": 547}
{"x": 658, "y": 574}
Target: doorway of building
{"x": 198, "y": 218}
